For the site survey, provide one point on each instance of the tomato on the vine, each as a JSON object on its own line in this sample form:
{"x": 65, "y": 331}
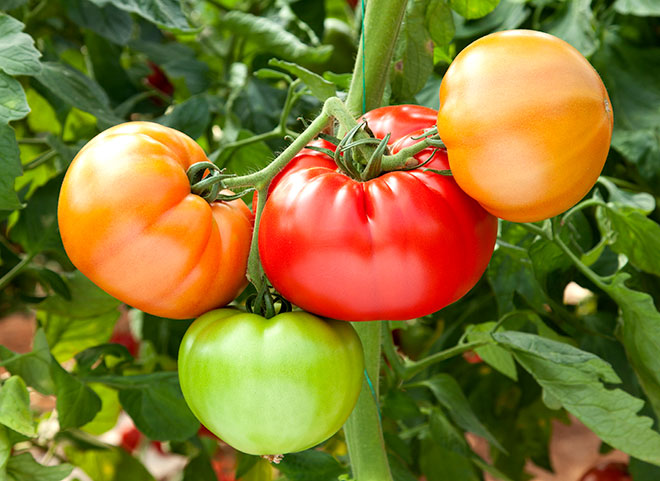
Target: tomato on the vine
{"x": 130, "y": 223}
{"x": 399, "y": 246}
{"x": 270, "y": 386}
{"x": 612, "y": 471}
{"x": 399, "y": 120}
{"x": 527, "y": 123}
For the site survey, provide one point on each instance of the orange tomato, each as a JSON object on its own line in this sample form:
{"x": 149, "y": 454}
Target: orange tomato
{"x": 527, "y": 123}
{"x": 130, "y": 223}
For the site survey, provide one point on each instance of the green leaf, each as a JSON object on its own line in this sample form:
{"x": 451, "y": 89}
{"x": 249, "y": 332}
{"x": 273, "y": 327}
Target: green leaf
{"x": 109, "y": 22}
{"x": 36, "y": 229}
{"x": 18, "y": 55}
{"x": 642, "y": 202}
{"x": 156, "y": 404}
{"x": 640, "y": 333}
{"x": 511, "y": 272}
{"x": 77, "y": 403}
{"x": 23, "y": 467}
{"x": 164, "y": 13}
{"x": 111, "y": 464}
{"x": 311, "y": 464}
{"x": 492, "y": 354}
{"x": 10, "y": 168}
{"x": 5, "y": 450}
{"x": 445, "y": 434}
{"x": 33, "y": 368}
{"x": 86, "y": 319}
{"x": 271, "y": 37}
{"x": 13, "y": 104}
{"x": 574, "y": 24}
{"x": 439, "y": 464}
{"x": 15, "y": 407}
{"x": 54, "y": 280}
{"x": 449, "y": 394}
{"x": 412, "y": 63}
{"x": 471, "y": 9}
{"x": 106, "y": 418}
{"x": 632, "y": 234}
{"x": 508, "y": 15}
{"x": 576, "y": 378}
{"x": 641, "y": 8}
{"x": 439, "y": 22}
{"x": 179, "y": 62}
{"x": 199, "y": 469}
{"x": 191, "y": 117}
{"x": 76, "y": 89}
{"x": 319, "y": 87}
{"x": 631, "y": 75}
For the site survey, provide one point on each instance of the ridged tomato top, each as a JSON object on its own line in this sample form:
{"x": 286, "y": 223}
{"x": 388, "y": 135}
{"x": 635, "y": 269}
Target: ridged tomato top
{"x": 130, "y": 223}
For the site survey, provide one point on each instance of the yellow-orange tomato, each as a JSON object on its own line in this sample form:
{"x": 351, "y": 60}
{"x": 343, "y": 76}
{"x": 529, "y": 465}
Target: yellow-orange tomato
{"x": 130, "y": 223}
{"x": 527, "y": 123}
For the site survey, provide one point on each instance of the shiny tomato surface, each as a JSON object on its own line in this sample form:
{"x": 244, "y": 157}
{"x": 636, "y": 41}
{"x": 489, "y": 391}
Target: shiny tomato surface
{"x": 527, "y": 123}
{"x": 270, "y": 386}
{"x": 130, "y": 223}
{"x": 399, "y": 120}
{"x": 399, "y": 246}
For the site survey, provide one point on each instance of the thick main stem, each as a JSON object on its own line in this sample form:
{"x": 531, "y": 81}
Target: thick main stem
{"x": 364, "y": 435}
{"x": 382, "y": 22}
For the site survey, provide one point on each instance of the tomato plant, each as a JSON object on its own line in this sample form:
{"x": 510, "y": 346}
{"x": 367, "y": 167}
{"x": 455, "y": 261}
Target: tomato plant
{"x": 360, "y": 251}
{"x": 130, "y": 223}
{"x": 270, "y": 386}
{"x": 527, "y": 123}
{"x": 608, "y": 472}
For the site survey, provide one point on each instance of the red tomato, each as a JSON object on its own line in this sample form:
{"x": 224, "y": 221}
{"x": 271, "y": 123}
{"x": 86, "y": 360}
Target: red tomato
{"x": 130, "y": 223}
{"x": 130, "y": 439}
{"x": 608, "y": 472}
{"x": 472, "y": 357}
{"x": 399, "y": 246}
{"x": 304, "y": 159}
{"x": 527, "y": 123}
{"x": 126, "y": 339}
{"x": 158, "y": 80}
{"x": 399, "y": 120}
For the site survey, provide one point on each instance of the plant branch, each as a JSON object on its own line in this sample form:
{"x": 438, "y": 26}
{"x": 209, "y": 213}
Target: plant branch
{"x": 414, "y": 368}
{"x": 14, "y": 271}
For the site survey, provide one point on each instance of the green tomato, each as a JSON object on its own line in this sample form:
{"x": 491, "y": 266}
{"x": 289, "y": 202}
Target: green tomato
{"x": 270, "y": 386}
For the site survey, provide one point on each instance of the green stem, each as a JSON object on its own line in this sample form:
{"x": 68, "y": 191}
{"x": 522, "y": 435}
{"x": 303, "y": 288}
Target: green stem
{"x": 382, "y": 22}
{"x": 333, "y": 107}
{"x": 6, "y": 279}
{"x": 414, "y": 368}
{"x": 390, "y": 351}
{"x": 364, "y": 434}
{"x": 591, "y": 275}
{"x": 255, "y": 272}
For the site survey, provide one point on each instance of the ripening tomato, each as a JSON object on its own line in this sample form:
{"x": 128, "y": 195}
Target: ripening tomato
{"x": 130, "y": 223}
{"x": 527, "y": 123}
{"x": 270, "y": 386}
{"x": 399, "y": 246}
{"x": 608, "y": 472}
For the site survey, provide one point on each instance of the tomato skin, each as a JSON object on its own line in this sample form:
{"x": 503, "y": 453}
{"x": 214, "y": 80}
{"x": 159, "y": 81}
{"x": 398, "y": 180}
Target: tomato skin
{"x": 130, "y": 223}
{"x": 608, "y": 472}
{"x": 527, "y": 123}
{"x": 400, "y": 246}
{"x": 304, "y": 159}
{"x": 399, "y": 120}
{"x": 270, "y": 386}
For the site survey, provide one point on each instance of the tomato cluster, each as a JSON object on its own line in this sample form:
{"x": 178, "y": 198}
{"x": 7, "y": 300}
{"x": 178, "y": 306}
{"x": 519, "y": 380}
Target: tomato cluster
{"x": 526, "y": 123}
